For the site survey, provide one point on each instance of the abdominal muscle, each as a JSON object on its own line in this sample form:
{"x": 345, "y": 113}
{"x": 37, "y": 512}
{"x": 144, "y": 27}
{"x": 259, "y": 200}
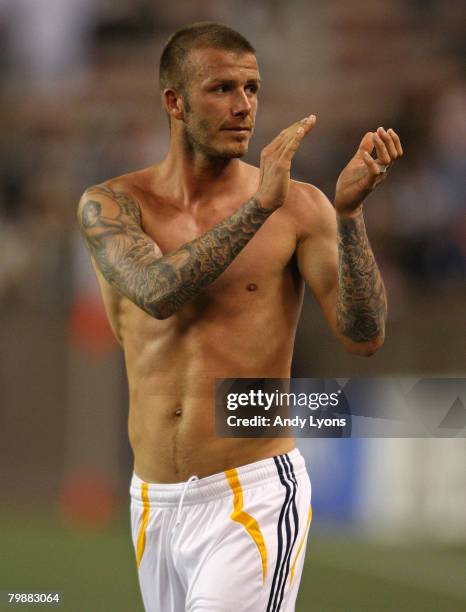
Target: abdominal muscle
{"x": 174, "y": 447}
{"x": 172, "y": 371}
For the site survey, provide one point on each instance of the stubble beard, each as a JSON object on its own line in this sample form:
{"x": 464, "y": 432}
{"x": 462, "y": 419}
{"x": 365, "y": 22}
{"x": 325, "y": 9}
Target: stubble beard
{"x": 196, "y": 140}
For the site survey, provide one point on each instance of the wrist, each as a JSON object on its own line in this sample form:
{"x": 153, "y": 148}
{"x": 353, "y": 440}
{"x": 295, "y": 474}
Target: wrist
{"x": 350, "y": 214}
{"x": 263, "y": 204}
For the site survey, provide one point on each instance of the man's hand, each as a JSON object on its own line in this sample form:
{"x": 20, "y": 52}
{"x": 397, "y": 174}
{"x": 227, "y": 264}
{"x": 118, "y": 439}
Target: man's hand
{"x": 276, "y": 163}
{"x": 364, "y": 173}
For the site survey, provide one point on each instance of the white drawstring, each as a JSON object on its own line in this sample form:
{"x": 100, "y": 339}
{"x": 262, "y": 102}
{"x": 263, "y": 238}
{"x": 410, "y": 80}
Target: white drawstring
{"x": 180, "y": 505}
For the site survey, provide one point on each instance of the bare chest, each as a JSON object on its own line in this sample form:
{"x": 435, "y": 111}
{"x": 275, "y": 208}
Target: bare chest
{"x": 264, "y": 259}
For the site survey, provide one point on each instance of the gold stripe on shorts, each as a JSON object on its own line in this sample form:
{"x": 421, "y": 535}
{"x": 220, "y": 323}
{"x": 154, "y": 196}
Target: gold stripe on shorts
{"x": 309, "y": 517}
{"x": 141, "y": 544}
{"x": 245, "y": 519}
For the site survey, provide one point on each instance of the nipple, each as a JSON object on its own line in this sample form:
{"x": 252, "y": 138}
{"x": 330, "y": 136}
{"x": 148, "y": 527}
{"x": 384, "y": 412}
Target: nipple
{"x": 251, "y": 287}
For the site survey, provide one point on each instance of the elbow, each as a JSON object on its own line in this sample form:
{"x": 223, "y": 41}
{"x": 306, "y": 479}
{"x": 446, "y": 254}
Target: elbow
{"x": 161, "y": 310}
{"x": 366, "y": 348}
{"x": 160, "y": 306}
{"x": 362, "y": 335}
{"x": 160, "y": 316}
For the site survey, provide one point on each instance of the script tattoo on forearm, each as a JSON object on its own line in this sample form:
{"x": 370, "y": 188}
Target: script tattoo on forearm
{"x": 361, "y": 305}
{"x": 132, "y": 262}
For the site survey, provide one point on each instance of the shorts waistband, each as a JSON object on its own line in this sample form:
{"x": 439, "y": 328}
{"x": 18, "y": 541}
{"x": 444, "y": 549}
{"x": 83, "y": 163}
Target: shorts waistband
{"x": 217, "y": 485}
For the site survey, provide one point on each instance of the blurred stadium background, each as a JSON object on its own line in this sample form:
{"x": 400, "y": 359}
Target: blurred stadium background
{"x": 80, "y": 103}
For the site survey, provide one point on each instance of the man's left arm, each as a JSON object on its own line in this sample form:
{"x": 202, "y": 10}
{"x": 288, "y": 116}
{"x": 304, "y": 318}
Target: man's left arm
{"x": 336, "y": 259}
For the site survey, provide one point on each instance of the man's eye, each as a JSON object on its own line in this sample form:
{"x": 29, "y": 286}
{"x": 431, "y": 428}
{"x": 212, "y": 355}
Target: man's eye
{"x": 252, "y": 88}
{"x": 220, "y": 88}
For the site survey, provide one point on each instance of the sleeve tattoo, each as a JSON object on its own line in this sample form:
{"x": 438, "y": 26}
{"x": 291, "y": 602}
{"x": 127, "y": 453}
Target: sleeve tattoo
{"x": 361, "y": 304}
{"x": 130, "y": 261}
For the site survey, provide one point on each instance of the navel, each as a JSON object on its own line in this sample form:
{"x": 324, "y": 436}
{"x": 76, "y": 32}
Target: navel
{"x": 251, "y": 287}
{"x": 178, "y": 412}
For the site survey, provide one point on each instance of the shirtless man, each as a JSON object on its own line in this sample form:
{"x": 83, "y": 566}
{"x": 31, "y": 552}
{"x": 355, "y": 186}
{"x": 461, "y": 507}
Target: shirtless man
{"x": 202, "y": 260}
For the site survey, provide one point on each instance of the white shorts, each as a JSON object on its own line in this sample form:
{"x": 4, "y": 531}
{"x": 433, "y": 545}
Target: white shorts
{"x": 234, "y": 541}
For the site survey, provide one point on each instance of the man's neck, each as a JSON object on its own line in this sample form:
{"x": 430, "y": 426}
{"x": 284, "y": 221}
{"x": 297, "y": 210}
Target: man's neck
{"x": 195, "y": 178}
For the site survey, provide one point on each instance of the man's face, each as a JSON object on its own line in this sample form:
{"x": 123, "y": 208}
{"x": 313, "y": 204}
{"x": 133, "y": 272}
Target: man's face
{"x": 220, "y": 102}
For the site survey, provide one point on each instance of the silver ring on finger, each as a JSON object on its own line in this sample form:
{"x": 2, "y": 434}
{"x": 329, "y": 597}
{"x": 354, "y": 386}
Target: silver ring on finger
{"x": 383, "y": 168}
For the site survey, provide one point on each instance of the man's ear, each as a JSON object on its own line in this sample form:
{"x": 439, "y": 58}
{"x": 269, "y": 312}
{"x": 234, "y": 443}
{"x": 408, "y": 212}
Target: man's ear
{"x": 173, "y": 103}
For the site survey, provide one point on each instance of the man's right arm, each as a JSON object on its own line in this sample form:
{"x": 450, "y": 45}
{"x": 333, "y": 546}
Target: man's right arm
{"x": 132, "y": 262}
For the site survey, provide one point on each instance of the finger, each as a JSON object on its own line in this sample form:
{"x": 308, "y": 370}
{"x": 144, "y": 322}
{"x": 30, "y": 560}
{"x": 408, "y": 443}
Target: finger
{"x": 275, "y": 143}
{"x": 305, "y": 124}
{"x": 284, "y": 136}
{"x": 297, "y": 137}
{"x": 373, "y": 167}
{"x": 367, "y": 142}
{"x": 382, "y": 153}
{"x": 280, "y": 142}
{"x": 396, "y": 141}
{"x": 308, "y": 123}
{"x": 300, "y": 127}
{"x": 389, "y": 144}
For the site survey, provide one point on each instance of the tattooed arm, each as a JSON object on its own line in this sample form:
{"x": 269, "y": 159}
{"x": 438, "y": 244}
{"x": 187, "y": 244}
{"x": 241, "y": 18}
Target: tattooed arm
{"x": 133, "y": 263}
{"x": 345, "y": 279}
{"x": 337, "y": 263}
{"x": 362, "y": 304}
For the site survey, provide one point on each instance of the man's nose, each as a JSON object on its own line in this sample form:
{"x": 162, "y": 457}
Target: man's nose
{"x": 242, "y": 105}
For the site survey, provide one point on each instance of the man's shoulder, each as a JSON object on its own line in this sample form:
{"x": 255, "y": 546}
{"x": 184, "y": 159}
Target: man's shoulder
{"x": 128, "y": 191}
{"x": 305, "y": 194}
{"x": 308, "y": 204}
{"x": 130, "y": 183}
